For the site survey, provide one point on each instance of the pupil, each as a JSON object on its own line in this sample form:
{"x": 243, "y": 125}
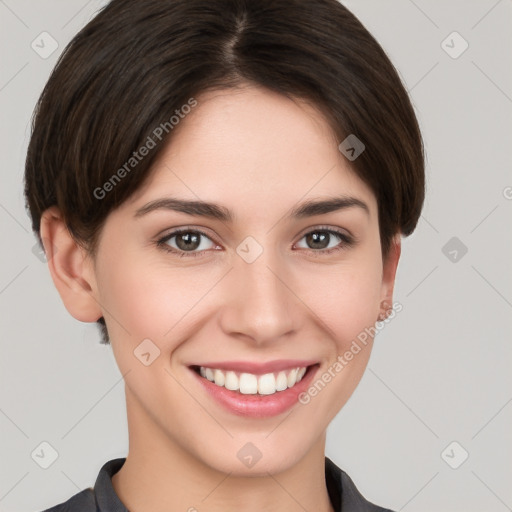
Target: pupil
{"x": 187, "y": 241}
{"x": 318, "y": 239}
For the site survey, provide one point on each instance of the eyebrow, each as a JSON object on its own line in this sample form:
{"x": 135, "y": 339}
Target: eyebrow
{"x": 308, "y": 208}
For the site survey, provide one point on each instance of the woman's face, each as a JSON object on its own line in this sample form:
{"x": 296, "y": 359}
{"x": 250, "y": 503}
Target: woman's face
{"x": 261, "y": 285}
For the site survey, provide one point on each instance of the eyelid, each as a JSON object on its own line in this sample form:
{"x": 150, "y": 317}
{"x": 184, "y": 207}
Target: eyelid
{"x": 325, "y": 227}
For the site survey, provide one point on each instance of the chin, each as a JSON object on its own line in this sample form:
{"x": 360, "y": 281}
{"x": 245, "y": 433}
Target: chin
{"x": 254, "y": 458}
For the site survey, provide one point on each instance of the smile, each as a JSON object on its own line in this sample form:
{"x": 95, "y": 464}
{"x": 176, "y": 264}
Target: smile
{"x": 252, "y": 384}
{"x": 255, "y": 389}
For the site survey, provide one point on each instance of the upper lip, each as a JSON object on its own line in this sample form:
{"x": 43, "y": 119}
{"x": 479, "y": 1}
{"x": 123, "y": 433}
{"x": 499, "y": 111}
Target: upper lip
{"x": 258, "y": 368}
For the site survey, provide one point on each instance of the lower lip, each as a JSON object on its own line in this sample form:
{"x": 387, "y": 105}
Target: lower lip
{"x": 258, "y": 406}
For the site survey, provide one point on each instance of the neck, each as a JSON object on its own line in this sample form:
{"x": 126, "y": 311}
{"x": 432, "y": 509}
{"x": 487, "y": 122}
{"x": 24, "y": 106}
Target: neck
{"x": 160, "y": 475}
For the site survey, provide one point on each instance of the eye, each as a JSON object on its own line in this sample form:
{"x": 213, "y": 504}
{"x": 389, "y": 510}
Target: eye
{"x": 323, "y": 240}
{"x": 194, "y": 242}
{"x": 188, "y": 242}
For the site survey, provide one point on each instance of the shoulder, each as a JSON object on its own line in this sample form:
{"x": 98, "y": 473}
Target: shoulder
{"x": 344, "y": 493}
{"x": 101, "y": 497}
{"x": 83, "y": 501}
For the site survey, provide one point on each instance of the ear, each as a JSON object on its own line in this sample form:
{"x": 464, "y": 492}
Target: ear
{"x": 70, "y": 267}
{"x": 390, "y": 265}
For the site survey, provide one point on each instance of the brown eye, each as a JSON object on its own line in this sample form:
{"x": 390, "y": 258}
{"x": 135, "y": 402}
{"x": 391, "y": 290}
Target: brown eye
{"x": 318, "y": 239}
{"x": 326, "y": 240}
{"x": 185, "y": 241}
{"x": 188, "y": 241}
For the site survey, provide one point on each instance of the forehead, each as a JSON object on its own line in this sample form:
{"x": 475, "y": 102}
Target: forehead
{"x": 250, "y": 146}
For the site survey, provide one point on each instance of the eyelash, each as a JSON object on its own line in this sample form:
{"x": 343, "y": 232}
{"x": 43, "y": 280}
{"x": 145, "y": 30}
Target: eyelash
{"x": 346, "y": 242}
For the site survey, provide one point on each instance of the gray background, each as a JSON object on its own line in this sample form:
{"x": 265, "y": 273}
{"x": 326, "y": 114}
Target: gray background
{"x": 440, "y": 371}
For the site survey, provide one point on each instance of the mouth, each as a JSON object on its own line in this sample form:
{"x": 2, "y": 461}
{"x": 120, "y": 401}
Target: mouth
{"x": 246, "y": 383}
{"x": 262, "y": 394}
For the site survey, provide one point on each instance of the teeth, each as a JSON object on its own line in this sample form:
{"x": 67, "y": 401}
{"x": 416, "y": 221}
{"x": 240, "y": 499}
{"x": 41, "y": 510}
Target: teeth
{"x": 250, "y": 384}
{"x": 231, "y": 381}
{"x": 218, "y": 377}
{"x": 281, "y": 381}
{"x": 267, "y": 384}
{"x": 209, "y": 374}
{"x": 292, "y": 377}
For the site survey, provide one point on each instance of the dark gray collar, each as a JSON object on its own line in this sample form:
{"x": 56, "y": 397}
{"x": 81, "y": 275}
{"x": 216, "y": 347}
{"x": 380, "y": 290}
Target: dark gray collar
{"x": 342, "y": 491}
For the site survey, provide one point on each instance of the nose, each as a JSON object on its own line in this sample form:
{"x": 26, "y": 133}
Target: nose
{"x": 260, "y": 304}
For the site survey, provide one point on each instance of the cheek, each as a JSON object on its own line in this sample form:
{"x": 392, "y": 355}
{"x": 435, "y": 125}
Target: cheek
{"x": 149, "y": 302}
{"x": 346, "y": 299}
{"x": 153, "y": 300}
{"x": 347, "y": 304}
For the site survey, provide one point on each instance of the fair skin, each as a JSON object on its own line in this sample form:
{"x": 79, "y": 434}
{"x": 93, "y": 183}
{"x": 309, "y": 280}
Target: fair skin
{"x": 258, "y": 154}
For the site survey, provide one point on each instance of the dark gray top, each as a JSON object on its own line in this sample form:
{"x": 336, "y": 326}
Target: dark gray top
{"x": 342, "y": 491}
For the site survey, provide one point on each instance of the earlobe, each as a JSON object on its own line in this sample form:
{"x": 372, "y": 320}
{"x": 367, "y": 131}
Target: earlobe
{"x": 69, "y": 268}
{"x": 388, "y": 277}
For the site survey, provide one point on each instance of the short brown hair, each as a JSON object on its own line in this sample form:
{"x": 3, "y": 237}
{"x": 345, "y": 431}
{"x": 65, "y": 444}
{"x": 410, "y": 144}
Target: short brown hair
{"x": 136, "y": 63}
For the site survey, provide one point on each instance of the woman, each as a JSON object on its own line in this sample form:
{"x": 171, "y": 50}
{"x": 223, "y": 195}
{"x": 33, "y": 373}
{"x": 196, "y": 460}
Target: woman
{"x": 222, "y": 186}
